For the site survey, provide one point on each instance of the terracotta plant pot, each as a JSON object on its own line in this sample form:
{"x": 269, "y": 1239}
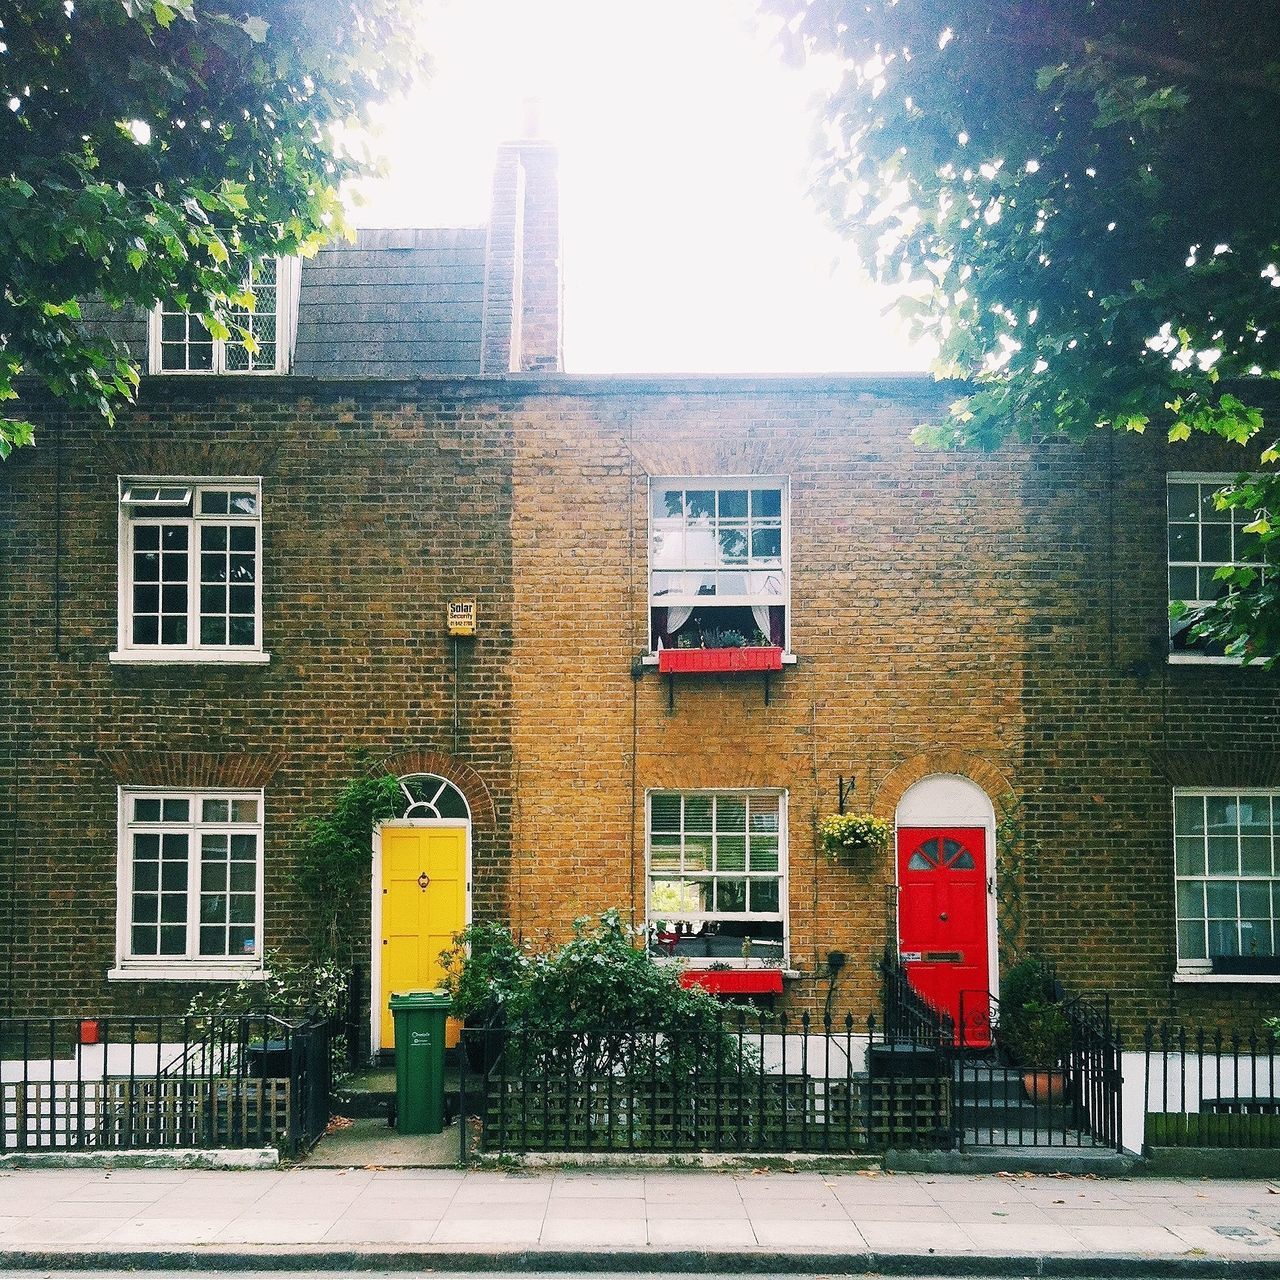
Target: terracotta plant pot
{"x": 1045, "y": 1087}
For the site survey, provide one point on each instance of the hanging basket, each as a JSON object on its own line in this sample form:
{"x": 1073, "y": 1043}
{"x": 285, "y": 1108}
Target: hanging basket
{"x": 855, "y": 837}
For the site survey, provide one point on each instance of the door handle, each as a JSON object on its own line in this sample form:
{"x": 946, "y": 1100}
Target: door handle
{"x": 423, "y": 880}
{"x": 942, "y": 915}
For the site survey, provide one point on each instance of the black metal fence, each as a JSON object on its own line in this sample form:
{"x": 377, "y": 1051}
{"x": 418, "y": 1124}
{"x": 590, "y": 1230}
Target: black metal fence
{"x": 1073, "y": 1101}
{"x": 1211, "y": 1087}
{"x": 749, "y": 1083}
{"x": 119, "y": 1083}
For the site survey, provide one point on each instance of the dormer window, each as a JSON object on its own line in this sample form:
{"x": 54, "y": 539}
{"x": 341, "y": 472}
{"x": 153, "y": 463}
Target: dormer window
{"x": 260, "y": 339}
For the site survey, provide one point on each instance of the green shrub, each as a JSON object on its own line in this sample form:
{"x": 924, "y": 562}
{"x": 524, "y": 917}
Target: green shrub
{"x": 484, "y": 968}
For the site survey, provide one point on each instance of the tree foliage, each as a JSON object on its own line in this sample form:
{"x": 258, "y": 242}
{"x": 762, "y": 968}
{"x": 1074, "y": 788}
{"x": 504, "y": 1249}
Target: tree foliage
{"x": 149, "y": 147}
{"x": 1078, "y": 201}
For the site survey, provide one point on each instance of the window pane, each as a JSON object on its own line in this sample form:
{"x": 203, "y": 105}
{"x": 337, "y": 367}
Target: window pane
{"x": 697, "y": 853}
{"x": 1221, "y": 813}
{"x": 733, "y": 504}
{"x": 697, "y": 813}
{"x": 664, "y": 852}
{"x": 764, "y": 813}
{"x": 147, "y": 809}
{"x": 243, "y": 537}
{"x": 247, "y": 810}
{"x": 766, "y": 503}
{"x": 1183, "y": 584}
{"x": 1255, "y": 899}
{"x": 731, "y": 895}
{"x": 1191, "y": 901}
{"x": 700, "y": 504}
{"x": 766, "y": 544}
{"x": 764, "y": 895}
{"x": 213, "y": 502}
{"x": 1188, "y": 815}
{"x": 1184, "y": 501}
{"x": 764, "y": 853}
{"x": 176, "y": 809}
{"x": 173, "y": 940}
{"x": 731, "y": 813}
{"x": 731, "y": 853}
{"x": 1224, "y": 855}
{"x": 1224, "y": 938}
{"x": 1183, "y": 542}
{"x": 1189, "y": 855}
{"x": 1255, "y": 855}
{"x": 1220, "y": 898}
{"x": 242, "y": 631}
{"x": 1191, "y": 945}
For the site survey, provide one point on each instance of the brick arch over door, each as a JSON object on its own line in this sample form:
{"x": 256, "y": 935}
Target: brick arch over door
{"x": 463, "y": 776}
{"x": 975, "y": 768}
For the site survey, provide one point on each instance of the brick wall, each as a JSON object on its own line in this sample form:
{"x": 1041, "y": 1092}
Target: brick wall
{"x": 997, "y": 616}
{"x": 379, "y": 505}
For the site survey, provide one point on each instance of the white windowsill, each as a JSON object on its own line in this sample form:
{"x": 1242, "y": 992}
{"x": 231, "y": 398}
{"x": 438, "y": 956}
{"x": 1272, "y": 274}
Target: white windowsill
{"x": 189, "y": 657}
{"x": 1207, "y": 660}
{"x": 651, "y": 660}
{"x": 187, "y": 973}
{"x": 1223, "y": 979}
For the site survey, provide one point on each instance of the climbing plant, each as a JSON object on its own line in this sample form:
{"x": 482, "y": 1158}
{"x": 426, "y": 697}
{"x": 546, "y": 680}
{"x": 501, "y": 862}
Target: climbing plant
{"x": 335, "y": 859}
{"x": 1016, "y": 855}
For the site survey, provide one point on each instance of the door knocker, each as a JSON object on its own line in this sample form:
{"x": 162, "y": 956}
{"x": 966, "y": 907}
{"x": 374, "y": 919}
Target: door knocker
{"x": 423, "y": 880}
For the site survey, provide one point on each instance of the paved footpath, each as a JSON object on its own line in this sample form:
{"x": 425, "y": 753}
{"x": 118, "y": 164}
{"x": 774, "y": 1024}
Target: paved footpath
{"x": 926, "y": 1223}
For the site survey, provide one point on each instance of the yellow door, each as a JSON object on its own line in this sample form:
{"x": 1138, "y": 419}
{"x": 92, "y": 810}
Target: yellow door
{"x": 424, "y": 903}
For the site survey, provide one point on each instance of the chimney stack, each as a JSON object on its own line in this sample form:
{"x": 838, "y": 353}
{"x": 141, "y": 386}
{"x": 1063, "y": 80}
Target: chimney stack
{"x": 522, "y": 327}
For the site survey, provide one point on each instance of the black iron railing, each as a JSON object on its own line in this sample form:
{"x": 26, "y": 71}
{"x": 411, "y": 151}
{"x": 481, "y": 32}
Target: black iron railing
{"x": 751, "y": 1082}
{"x": 1211, "y": 1087}
{"x": 123, "y": 1082}
{"x": 1071, "y": 1100}
{"x": 907, "y": 1014}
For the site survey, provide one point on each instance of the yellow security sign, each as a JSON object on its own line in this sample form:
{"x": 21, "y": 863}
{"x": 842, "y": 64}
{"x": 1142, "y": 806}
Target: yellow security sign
{"x": 462, "y": 617}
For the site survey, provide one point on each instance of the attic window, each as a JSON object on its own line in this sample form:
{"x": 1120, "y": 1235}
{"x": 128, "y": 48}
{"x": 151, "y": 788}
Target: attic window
{"x": 259, "y": 341}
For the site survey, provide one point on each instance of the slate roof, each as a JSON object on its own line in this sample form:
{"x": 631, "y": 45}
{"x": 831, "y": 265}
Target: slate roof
{"x": 396, "y": 304}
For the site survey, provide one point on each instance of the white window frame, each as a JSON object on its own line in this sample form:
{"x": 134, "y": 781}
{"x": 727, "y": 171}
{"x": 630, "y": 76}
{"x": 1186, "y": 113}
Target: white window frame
{"x": 288, "y": 284}
{"x": 193, "y": 967}
{"x": 781, "y": 482}
{"x": 1180, "y": 657}
{"x": 192, "y": 651}
{"x": 1200, "y": 970}
{"x": 783, "y": 878}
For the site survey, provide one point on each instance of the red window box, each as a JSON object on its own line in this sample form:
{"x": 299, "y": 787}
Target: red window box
{"x": 761, "y": 658}
{"x": 735, "y": 982}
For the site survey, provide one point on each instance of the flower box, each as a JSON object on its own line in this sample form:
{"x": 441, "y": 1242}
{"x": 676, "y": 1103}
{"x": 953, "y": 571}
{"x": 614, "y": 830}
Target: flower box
{"x": 735, "y": 982}
{"x": 759, "y": 658}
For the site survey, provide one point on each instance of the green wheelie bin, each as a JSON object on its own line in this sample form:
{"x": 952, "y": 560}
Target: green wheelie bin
{"x": 419, "y": 1021}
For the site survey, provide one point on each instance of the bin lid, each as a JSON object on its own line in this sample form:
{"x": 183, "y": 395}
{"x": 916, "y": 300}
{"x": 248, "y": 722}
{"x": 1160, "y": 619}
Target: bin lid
{"x": 419, "y": 1000}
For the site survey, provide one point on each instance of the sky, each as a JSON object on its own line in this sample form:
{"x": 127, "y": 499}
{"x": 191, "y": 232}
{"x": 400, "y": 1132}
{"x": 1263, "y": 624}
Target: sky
{"x": 690, "y": 243}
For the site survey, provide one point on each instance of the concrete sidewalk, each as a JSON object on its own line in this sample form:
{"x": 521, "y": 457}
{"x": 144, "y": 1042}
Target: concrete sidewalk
{"x": 936, "y": 1224}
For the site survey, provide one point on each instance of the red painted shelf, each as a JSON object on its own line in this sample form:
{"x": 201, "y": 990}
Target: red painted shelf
{"x": 736, "y": 982}
{"x": 762, "y": 658}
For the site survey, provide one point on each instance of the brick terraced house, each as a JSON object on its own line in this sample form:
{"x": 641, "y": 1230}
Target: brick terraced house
{"x": 709, "y": 612}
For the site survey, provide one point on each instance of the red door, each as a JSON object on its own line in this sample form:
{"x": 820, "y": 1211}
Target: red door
{"x": 942, "y": 921}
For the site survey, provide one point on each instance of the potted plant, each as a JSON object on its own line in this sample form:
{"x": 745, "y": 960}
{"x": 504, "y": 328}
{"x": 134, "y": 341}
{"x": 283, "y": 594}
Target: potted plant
{"x": 849, "y": 834}
{"x": 1039, "y": 1041}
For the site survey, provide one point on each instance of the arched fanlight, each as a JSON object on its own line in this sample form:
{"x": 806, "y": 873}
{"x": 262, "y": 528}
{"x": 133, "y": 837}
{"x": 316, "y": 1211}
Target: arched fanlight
{"x": 427, "y": 796}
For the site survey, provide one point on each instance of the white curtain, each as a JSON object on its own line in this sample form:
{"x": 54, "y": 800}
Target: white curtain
{"x": 677, "y": 616}
{"x": 760, "y": 612}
